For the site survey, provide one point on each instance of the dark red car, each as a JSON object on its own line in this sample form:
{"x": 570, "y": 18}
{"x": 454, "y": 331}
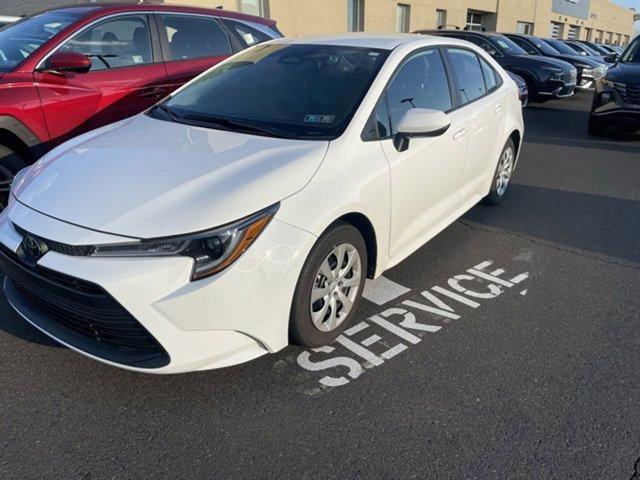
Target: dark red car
{"x": 69, "y": 70}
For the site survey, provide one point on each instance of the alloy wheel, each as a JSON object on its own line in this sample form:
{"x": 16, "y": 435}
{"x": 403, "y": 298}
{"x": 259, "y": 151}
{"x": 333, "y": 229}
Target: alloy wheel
{"x": 505, "y": 169}
{"x": 335, "y": 287}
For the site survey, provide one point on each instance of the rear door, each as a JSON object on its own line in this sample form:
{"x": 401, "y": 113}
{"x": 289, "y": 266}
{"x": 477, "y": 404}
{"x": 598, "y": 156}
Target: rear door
{"x": 484, "y": 107}
{"x": 126, "y": 77}
{"x": 192, "y": 44}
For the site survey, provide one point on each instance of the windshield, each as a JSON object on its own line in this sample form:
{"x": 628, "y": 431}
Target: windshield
{"x": 288, "y": 91}
{"x": 632, "y": 53}
{"x": 508, "y": 46}
{"x": 560, "y": 46}
{"x": 544, "y": 47}
{"x": 19, "y": 40}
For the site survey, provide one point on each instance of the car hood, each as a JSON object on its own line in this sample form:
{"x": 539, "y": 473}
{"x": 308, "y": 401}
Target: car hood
{"x": 578, "y": 60}
{"x": 625, "y": 73}
{"x": 551, "y": 62}
{"x": 149, "y": 178}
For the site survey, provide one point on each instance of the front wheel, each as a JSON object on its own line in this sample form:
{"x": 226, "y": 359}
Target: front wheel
{"x": 329, "y": 288}
{"x": 502, "y": 175}
{"x": 10, "y": 164}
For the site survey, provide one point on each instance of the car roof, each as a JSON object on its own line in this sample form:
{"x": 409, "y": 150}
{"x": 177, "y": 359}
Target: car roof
{"x": 99, "y": 9}
{"x": 365, "y": 40}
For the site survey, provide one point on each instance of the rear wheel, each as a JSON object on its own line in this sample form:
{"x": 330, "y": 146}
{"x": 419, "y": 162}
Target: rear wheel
{"x": 502, "y": 175}
{"x": 330, "y": 286}
{"x": 10, "y": 164}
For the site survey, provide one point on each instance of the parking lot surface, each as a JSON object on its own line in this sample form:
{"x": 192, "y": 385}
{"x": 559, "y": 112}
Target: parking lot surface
{"x": 537, "y": 377}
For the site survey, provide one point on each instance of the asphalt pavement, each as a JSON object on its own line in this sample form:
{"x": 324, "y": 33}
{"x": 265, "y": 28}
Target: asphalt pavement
{"x": 535, "y": 376}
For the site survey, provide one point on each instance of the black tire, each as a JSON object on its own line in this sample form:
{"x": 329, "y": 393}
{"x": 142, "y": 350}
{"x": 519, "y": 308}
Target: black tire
{"x": 496, "y": 195}
{"x": 10, "y": 164}
{"x": 533, "y": 91}
{"x": 596, "y": 126}
{"x": 302, "y": 330}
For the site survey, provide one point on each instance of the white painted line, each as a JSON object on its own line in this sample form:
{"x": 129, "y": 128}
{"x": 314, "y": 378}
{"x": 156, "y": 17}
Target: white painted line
{"x": 367, "y": 342}
{"x": 520, "y": 278}
{"x": 489, "y": 277}
{"x": 356, "y": 328}
{"x": 409, "y": 337}
{"x": 455, "y": 296}
{"x": 360, "y": 351}
{"x": 382, "y": 290}
{"x": 523, "y": 292}
{"x": 394, "y": 351}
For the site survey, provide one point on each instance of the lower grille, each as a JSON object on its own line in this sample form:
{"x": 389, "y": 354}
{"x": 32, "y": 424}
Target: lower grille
{"x": 79, "y": 313}
{"x": 630, "y": 94}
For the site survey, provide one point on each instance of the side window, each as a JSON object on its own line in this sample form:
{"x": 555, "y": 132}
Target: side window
{"x": 121, "y": 42}
{"x": 195, "y": 37}
{"x": 468, "y": 73}
{"x": 491, "y": 77}
{"x": 248, "y": 34}
{"x": 421, "y": 82}
{"x": 526, "y": 46}
{"x": 378, "y": 125}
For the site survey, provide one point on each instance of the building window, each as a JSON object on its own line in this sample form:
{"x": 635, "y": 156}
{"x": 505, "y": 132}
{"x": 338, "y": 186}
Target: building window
{"x": 474, "y": 21}
{"x": 403, "y": 18}
{"x": 524, "y": 28}
{"x": 355, "y": 16}
{"x": 557, "y": 30}
{"x": 573, "y": 33}
{"x": 441, "y": 19}
{"x": 259, "y": 8}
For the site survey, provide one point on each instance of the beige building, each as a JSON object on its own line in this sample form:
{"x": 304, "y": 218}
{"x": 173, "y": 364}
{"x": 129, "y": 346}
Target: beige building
{"x": 597, "y": 20}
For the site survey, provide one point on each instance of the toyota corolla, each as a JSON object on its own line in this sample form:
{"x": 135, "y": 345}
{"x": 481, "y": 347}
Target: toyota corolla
{"x": 244, "y": 212}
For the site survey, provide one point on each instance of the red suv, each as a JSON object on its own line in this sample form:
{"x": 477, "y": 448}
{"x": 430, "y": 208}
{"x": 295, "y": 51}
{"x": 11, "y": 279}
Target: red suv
{"x": 69, "y": 70}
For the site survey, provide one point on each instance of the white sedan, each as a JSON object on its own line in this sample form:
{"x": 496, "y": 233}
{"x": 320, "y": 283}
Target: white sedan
{"x": 244, "y": 212}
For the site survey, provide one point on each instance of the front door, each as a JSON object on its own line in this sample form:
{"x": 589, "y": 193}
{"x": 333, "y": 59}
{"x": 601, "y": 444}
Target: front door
{"x": 126, "y": 77}
{"x": 425, "y": 178}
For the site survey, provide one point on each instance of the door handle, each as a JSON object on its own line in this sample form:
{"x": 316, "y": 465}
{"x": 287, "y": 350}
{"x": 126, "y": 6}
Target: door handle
{"x": 459, "y": 133}
{"x": 497, "y": 109}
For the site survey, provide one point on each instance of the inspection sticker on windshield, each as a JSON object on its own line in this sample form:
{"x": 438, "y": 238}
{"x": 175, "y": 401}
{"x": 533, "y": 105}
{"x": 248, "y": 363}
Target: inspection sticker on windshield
{"x": 415, "y": 315}
{"x": 319, "y": 118}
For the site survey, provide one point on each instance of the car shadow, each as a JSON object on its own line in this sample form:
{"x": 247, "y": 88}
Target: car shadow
{"x": 600, "y": 224}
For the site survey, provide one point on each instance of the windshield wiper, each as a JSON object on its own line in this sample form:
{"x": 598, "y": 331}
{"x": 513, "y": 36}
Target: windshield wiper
{"x": 173, "y": 116}
{"x": 234, "y": 125}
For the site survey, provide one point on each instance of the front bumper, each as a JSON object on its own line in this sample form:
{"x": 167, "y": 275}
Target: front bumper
{"x": 561, "y": 91}
{"x": 230, "y": 318}
{"x": 616, "y": 111}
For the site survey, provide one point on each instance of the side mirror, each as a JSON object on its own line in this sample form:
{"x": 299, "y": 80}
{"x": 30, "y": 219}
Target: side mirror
{"x": 611, "y": 58}
{"x": 420, "y": 122}
{"x": 73, "y": 62}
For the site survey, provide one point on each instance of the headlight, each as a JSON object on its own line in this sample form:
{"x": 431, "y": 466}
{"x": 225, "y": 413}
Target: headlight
{"x": 556, "y": 74}
{"x": 212, "y": 251}
{"x": 599, "y": 72}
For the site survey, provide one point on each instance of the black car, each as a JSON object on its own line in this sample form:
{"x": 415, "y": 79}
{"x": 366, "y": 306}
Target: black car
{"x": 545, "y": 77}
{"x": 589, "y": 69}
{"x": 616, "y": 100}
{"x": 523, "y": 91}
{"x": 585, "y": 50}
